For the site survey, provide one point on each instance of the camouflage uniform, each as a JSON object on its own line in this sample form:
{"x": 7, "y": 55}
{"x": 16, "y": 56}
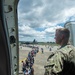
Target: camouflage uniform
{"x": 55, "y": 64}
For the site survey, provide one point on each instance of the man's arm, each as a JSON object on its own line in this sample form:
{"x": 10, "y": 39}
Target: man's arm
{"x": 55, "y": 63}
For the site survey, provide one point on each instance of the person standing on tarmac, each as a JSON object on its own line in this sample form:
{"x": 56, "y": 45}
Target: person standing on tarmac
{"x": 42, "y": 50}
{"x": 23, "y": 66}
{"x": 62, "y": 61}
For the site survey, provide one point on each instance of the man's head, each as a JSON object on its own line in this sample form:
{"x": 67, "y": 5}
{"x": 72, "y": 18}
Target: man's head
{"x": 62, "y": 35}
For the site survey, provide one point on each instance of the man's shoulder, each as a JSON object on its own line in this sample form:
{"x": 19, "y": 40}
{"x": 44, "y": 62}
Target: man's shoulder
{"x": 70, "y": 46}
{"x": 67, "y": 48}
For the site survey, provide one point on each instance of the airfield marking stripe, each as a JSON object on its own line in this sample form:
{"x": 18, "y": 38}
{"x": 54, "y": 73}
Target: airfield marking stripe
{"x": 22, "y": 60}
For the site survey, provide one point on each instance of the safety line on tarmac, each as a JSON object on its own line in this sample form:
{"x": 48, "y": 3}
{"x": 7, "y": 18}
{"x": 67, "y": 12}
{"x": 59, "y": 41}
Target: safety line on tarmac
{"x": 22, "y": 60}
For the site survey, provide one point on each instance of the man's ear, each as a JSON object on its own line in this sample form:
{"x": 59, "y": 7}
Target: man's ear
{"x": 63, "y": 36}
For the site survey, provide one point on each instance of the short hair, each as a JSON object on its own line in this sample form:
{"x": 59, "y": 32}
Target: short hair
{"x": 64, "y": 31}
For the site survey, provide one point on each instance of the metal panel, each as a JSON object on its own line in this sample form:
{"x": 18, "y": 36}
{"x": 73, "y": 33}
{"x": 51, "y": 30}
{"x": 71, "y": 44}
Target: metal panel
{"x": 71, "y": 27}
{"x": 11, "y": 20}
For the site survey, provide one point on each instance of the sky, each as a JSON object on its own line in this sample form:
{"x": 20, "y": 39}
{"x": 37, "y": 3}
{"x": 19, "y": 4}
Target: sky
{"x": 38, "y": 19}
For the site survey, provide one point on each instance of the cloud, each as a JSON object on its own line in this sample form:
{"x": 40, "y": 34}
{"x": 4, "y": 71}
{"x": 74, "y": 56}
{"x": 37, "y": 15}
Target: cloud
{"x": 27, "y": 32}
{"x": 39, "y": 18}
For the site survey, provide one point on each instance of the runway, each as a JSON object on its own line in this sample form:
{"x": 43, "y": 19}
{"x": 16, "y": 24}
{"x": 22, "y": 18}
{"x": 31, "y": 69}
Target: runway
{"x": 40, "y": 59}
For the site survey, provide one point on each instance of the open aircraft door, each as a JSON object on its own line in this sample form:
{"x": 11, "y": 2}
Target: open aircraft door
{"x": 9, "y": 52}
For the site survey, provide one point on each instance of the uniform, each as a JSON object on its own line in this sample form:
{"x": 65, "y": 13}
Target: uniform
{"x": 61, "y": 62}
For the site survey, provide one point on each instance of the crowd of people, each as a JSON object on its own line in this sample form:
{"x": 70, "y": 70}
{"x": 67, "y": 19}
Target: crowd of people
{"x": 27, "y": 65}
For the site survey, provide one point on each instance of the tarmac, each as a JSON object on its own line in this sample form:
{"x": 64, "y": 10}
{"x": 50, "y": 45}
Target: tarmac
{"x": 39, "y": 60}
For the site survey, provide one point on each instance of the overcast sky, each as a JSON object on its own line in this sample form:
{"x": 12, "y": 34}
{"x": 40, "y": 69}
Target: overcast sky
{"x": 38, "y": 19}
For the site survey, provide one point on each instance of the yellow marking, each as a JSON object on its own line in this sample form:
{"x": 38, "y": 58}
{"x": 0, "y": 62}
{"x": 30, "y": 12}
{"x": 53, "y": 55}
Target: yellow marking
{"x": 22, "y": 60}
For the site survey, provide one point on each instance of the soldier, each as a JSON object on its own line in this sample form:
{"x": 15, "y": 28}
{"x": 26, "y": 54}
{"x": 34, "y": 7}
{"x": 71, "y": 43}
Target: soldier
{"x": 62, "y": 61}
